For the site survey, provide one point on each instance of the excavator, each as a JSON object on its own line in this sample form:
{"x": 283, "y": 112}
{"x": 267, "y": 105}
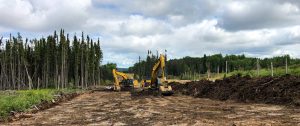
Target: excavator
{"x": 125, "y": 83}
{"x": 158, "y": 82}
{"x": 158, "y": 79}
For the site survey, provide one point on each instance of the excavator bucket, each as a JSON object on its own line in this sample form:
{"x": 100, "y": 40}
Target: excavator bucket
{"x": 166, "y": 90}
{"x": 117, "y": 88}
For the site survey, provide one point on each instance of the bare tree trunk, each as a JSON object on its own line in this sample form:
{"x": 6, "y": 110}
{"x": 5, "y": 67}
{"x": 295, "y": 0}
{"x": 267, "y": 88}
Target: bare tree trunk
{"x": 286, "y": 66}
{"x": 12, "y": 74}
{"x": 28, "y": 76}
{"x": 272, "y": 72}
{"x": 218, "y": 70}
{"x": 81, "y": 72}
{"x": 1, "y": 75}
{"x": 57, "y": 76}
{"x": 47, "y": 72}
{"x": 19, "y": 71}
{"x": 62, "y": 68}
{"x": 86, "y": 66}
{"x": 99, "y": 75}
{"x": 38, "y": 83}
{"x": 257, "y": 66}
{"x": 4, "y": 73}
{"x": 226, "y": 67}
{"x": 93, "y": 78}
{"x": 86, "y": 75}
{"x": 66, "y": 73}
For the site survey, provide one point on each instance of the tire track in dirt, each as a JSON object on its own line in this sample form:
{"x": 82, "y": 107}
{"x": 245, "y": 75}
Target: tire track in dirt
{"x": 119, "y": 108}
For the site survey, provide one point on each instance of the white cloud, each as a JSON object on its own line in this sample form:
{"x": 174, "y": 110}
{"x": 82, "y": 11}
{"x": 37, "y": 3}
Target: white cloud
{"x": 138, "y": 25}
{"x": 128, "y": 28}
{"x": 257, "y": 14}
{"x": 43, "y": 15}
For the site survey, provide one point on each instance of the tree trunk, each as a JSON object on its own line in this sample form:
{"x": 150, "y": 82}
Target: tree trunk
{"x": 81, "y": 64}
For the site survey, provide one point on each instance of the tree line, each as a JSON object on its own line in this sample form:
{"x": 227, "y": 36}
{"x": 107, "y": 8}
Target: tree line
{"x": 214, "y": 63}
{"x": 56, "y": 61}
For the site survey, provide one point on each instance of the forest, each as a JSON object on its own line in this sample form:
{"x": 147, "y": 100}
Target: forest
{"x": 56, "y": 61}
{"x": 211, "y": 63}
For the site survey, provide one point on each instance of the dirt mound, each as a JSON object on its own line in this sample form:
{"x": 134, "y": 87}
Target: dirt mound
{"x": 278, "y": 90}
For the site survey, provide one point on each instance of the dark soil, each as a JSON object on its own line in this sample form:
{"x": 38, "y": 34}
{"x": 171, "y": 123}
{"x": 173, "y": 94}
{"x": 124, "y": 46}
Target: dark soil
{"x": 284, "y": 90}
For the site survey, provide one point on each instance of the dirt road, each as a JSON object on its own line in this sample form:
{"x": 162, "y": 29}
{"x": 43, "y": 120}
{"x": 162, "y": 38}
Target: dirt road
{"x": 112, "y": 108}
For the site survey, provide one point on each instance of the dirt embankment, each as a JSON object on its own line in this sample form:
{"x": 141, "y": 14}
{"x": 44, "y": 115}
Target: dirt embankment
{"x": 284, "y": 90}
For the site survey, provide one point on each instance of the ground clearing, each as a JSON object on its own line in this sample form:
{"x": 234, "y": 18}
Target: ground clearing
{"x": 113, "y": 108}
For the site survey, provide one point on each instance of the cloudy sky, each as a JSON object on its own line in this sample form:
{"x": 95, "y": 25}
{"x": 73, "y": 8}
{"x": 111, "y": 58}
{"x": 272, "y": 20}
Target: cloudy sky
{"x": 128, "y": 28}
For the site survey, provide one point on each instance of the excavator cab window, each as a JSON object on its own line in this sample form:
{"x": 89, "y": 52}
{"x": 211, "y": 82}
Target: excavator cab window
{"x": 127, "y": 82}
{"x": 158, "y": 82}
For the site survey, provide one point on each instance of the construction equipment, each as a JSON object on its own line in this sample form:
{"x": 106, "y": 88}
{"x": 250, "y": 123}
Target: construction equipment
{"x": 125, "y": 83}
{"x": 158, "y": 79}
{"x": 158, "y": 82}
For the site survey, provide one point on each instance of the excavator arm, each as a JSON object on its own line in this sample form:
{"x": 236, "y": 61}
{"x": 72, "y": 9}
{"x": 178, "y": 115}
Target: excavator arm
{"x": 117, "y": 86}
{"x": 159, "y": 66}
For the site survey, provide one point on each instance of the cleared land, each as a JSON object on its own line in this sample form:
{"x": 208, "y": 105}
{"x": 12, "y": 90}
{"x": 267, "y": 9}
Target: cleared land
{"x": 119, "y": 108}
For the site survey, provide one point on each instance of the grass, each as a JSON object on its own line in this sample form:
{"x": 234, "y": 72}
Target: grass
{"x": 293, "y": 70}
{"x": 23, "y": 99}
{"x": 279, "y": 71}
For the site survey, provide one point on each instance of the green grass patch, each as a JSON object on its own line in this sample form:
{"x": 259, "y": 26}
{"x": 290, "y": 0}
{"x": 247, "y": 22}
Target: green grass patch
{"x": 280, "y": 71}
{"x": 24, "y": 99}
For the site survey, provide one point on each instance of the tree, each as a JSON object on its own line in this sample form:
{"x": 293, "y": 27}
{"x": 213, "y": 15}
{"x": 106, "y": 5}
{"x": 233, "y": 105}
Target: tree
{"x": 46, "y": 62}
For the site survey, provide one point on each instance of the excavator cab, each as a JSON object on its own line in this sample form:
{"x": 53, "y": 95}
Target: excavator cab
{"x": 125, "y": 83}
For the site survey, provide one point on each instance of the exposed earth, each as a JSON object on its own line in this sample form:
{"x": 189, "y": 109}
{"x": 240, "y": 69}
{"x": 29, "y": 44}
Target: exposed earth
{"x": 283, "y": 90}
{"x": 120, "y": 108}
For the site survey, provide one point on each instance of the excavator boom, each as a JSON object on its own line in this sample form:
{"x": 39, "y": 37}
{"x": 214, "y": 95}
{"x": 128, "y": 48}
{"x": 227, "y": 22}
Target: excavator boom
{"x": 158, "y": 79}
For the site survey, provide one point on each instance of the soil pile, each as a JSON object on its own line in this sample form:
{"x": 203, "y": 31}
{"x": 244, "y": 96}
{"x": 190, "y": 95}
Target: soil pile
{"x": 274, "y": 90}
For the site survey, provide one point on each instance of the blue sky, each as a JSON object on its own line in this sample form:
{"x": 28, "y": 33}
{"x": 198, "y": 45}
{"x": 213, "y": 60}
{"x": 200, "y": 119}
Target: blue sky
{"x": 128, "y": 28}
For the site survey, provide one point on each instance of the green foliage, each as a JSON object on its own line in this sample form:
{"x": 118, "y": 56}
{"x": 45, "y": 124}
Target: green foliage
{"x": 52, "y": 61}
{"x": 279, "y": 71}
{"x": 185, "y": 67}
{"x": 144, "y": 68}
{"x": 24, "y": 99}
{"x": 106, "y": 72}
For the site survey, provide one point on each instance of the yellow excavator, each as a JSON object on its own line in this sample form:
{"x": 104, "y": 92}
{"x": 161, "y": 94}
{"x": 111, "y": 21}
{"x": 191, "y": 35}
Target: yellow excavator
{"x": 158, "y": 82}
{"x": 125, "y": 83}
